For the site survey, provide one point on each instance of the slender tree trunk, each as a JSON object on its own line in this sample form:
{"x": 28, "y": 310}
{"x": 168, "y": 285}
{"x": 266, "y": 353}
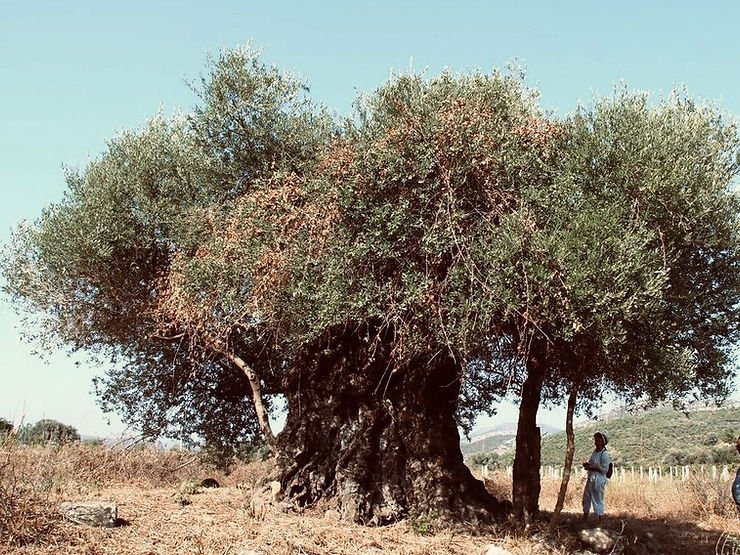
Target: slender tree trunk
{"x": 569, "y": 451}
{"x": 377, "y": 444}
{"x": 254, "y": 384}
{"x": 257, "y": 397}
{"x": 218, "y": 346}
{"x": 526, "y": 472}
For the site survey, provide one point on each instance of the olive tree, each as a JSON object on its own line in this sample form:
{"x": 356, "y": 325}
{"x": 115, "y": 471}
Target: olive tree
{"x": 390, "y": 275}
{"x": 633, "y": 283}
{"x": 48, "y": 431}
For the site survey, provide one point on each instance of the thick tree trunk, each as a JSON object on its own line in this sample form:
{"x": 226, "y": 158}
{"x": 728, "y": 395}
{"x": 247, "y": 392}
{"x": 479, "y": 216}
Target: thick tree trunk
{"x": 378, "y": 444}
{"x": 526, "y": 471}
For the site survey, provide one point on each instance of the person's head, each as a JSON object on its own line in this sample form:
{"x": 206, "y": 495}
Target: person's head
{"x": 600, "y": 440}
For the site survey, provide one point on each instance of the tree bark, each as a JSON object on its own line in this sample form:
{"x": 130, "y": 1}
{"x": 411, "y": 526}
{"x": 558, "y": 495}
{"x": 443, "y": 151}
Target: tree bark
{"x": 570, "y": 449}
{"x": 526, "y": 471}
{"x": 257, "y": 397}
{"x": 254, "y": 383}
{"x": 378, "y": 444}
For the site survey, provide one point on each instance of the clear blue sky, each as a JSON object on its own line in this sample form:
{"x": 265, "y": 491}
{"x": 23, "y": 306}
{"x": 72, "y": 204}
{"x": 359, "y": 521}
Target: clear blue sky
{"x": 75, "y": 73}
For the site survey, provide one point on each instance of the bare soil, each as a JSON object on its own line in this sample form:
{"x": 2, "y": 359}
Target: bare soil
{"x": 235, "y": 521}
{"x": 161, "y": 512}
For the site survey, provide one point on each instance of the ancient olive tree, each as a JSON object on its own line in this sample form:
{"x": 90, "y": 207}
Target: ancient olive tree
{"x": 255, "y": 247}
{"x": 386, "y": 275}
{"x": 354, "y": 278}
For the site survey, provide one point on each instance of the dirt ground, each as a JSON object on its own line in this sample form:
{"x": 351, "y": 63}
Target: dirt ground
{"x": 234, "y": 521}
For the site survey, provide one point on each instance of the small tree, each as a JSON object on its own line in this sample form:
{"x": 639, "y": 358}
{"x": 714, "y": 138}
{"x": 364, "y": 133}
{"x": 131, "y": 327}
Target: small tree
{"x": 48, "y": 431}
{"x": 636, "y": 292}
{"x": 6, "y": 428}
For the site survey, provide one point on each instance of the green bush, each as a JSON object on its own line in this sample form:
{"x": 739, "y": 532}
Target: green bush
{"x": 5, "y": 428}
{"x": 48, "y": 431}
{"x": 224, "y": 457}
{"x": 491, "y": 459}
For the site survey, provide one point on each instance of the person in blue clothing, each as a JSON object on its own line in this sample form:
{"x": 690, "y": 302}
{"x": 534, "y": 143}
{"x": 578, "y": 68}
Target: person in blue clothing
{"x": 736, "y": 483}
{"x": 596, "y": 466}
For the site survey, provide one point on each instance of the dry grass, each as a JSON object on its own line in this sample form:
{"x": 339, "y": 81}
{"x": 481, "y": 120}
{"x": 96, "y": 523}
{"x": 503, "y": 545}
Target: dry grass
{"x": 160, "y": 516}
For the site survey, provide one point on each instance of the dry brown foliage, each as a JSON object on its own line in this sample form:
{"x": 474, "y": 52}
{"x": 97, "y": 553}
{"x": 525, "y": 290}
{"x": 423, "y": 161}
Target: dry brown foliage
{"x": 157, "y": 515}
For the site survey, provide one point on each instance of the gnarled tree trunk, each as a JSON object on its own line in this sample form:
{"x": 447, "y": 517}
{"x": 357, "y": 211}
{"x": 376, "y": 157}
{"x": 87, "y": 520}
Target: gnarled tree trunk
{"x": 383, "y": 444}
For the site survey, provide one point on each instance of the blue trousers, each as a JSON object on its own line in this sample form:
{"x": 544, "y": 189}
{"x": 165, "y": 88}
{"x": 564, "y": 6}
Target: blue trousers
{"x": 593, "y": 493}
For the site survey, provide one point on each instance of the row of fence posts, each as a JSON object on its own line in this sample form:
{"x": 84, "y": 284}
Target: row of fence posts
{"x": 641, "y": 473}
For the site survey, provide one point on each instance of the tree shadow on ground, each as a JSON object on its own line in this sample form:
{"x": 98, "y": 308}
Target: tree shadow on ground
{"x": 652, "y": 536}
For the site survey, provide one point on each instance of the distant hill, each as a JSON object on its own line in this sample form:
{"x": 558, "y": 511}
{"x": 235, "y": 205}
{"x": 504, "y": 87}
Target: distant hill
{"x": 704, "y": 435}
{"x": 496, "y": 439}
{"x": 491, "y": 439}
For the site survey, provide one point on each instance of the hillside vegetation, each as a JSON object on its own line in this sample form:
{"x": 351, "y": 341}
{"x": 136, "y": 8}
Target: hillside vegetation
{"x": 656, "y": 437}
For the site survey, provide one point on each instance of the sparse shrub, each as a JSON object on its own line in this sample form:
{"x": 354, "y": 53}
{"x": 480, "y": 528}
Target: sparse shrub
{"x": 48, "y": 431}
{"x": 224, "y": 457}
{"x": 93, "y": 442}
{"x": 721, "y": 453}
{"x": 490, "y": 459}
{"x": 710, "y": 439}
{"x": 675, "y": 457}
{"x": 724, "y": 453}
{"x": 703, "y": 497}
{"x": 221, "y": 458}
{"x": 5, "y": 428}
{"x": 422, "y": 524}
{"x": 25, "y": 515}
{"x": 190, "y": 487}
{"x": 253, "y": 475}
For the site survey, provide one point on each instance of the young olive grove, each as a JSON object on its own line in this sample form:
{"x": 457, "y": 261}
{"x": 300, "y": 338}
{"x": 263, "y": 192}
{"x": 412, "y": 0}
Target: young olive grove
{"x": 392, "y": 275}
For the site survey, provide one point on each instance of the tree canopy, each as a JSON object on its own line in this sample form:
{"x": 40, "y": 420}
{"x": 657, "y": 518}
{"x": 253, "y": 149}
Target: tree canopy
{"x": 450, "y": 230}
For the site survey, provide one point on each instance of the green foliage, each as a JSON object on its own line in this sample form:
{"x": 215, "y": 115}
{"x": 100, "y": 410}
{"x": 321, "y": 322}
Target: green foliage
{"x": 665, "y": 173}
{"x": 98, "y": 270}
{"x": 6, "y": 428}
{"x": 492, "y": 460}
{"x": 436, "y": 168}
{"x": 658, "y": 436}
{"x": 422, "y": 524}
{"x": 223, "y": 457}
{"x": 451, "y": 213}
{"x": 48, "y": 431}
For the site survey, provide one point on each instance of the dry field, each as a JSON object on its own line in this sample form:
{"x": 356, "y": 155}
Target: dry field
{"x": 162, "y": 512}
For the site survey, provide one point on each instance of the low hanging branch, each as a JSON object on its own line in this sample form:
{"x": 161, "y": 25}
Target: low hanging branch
{"x": 254, "y": 383}
{"x": 257, "y": 398}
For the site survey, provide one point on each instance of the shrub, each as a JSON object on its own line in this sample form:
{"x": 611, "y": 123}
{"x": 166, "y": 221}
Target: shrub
{"x": 5, "y": 428}
{"x": 25, "y": 515}
{"x": 223, "y": 458}
{"x": 48, "y": 431}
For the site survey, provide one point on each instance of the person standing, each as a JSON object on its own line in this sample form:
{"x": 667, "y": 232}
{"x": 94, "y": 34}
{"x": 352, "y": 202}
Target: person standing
{"x": 736, "y": 483}
{"x": 596, "y": 466}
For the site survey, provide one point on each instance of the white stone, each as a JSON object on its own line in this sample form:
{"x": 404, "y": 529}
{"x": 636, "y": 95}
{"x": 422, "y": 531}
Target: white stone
{"x": 492, "y": 549}
{"x": 92, "y": 513}
{"x": 598, "y": 539}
